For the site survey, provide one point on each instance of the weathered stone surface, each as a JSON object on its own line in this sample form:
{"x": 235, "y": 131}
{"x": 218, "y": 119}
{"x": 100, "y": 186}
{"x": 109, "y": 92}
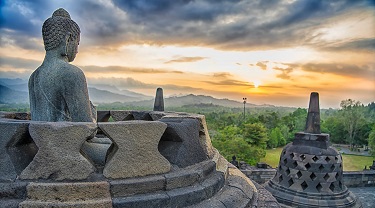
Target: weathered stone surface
{"x": 57, "y": 89}
{"x": 12, "y": 193}
{"x": 159, "y": 100}
{"x": 59, "y": 155}
{"x": 187, "y": 196}
{"x": 179, "y": 179}
{"x": 135, "y": 150}
{"x": 103, "y": 116}
{"x": 131, "y": 115}
{"x": 157, "y": 200}
{"x": 180, "y": 143}
{"x": 82, "y": 194}
{"x": 95, "y": 152}
{"x": 132, "y": 186}
{"x": 313, "y": 116}
{"x": 204, "y": 137}
{"x": 238, "y": 192}
{"x": 16, "y": 149}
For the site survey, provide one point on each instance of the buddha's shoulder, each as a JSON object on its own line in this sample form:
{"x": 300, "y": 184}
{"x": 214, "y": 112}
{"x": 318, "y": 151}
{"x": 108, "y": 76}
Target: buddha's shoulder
{"x": 71, "y": 69}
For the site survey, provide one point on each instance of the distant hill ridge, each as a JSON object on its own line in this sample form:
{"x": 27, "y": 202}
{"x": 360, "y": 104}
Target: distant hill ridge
{"x": 15, "y": 91}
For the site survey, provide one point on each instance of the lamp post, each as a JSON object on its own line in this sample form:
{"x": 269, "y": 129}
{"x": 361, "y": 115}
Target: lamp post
{"x": 244, "y": 104}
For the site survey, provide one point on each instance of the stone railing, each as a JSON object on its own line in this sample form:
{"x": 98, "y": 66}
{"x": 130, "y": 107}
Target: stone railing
{"x": 52, "y": 150}
{"x": 350, "y": 178}
{"x": 142, "y": 159}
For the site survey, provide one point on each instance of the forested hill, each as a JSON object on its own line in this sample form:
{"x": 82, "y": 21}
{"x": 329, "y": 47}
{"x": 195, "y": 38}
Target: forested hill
{"x": 178, "y": 101}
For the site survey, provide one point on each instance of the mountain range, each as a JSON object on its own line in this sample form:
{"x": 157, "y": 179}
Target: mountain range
{"x": 16, "y": 91}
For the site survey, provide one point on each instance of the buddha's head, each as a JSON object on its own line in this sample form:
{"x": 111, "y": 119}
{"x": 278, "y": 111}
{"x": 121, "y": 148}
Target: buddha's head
{"x": 61, "y": 33}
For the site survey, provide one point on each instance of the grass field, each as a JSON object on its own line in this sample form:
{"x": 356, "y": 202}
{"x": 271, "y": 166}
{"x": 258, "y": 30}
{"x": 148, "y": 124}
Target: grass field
{"x": 351, "y": 162}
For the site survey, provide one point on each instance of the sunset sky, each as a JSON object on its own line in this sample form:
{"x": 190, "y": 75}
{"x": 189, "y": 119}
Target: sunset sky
{"x": 273, "y": 52}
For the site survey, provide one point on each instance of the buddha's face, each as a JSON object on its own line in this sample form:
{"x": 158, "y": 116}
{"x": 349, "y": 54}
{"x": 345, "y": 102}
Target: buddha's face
{"x": 72, "y": 48}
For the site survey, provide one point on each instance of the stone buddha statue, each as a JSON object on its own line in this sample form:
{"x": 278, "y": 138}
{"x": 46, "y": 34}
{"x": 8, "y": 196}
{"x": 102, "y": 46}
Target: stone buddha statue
{"x": 57, "y": 89}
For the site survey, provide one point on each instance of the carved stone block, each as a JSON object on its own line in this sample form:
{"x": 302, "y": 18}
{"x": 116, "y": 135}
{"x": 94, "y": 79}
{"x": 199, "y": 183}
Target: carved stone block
{"x": 135, "y": 149}
{"x": 59, "y": 156}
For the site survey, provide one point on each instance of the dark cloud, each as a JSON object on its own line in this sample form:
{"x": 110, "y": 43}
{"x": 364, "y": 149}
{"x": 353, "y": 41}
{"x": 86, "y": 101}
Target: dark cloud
{"x": 285, "y": 72}
{"x": 262, "y": 65}
{"x": 222, "y": 75}
{"x": 367, "y": 44}
{"x": 349, "y": 70}
{"x": 230, "y": 82}
{"x": 185, "y": 59}
{"x": 19, "y": 63}
{"x": 223, "y": 24}
{"x": 127, "y": 70}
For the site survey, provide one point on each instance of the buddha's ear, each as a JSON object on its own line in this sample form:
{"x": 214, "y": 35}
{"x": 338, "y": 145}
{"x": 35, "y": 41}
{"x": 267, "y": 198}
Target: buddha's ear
{"x": 68, "y": 37}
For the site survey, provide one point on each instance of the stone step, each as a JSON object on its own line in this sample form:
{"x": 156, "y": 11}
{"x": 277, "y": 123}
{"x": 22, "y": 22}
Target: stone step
{"x": 238, "y": 192}
{"x": 12, "y": 193}
{"x": 175, "y": 179}
{"x": 102, "y": 203}
{"x": 79, "y": 194}
{"x": 178, "y": 197}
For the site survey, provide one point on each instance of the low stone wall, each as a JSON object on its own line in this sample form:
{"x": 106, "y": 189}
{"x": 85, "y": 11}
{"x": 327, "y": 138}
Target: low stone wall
{"x": 351, "y": 178}
{"x": 260, "y": 175}
{"x": 359, "y": 178}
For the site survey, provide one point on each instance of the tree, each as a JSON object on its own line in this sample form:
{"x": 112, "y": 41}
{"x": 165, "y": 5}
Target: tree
{"x": 255, "y": 134}
{"x": 276, "y": 138}
{"x": 371, "y": 140}
{"x": 352, "y": 118}
{"x": 239, "y": 147}
{"x": 335, "y": 127}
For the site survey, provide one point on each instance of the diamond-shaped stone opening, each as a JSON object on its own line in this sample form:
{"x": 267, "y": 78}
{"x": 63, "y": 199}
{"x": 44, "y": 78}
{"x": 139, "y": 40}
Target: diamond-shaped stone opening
{"x": 340, "y": 165}
{"x": 326, "y": 177}
{"x": 319, "y": 187}
{"x": 327, "y": 159}
{"x": 321, "y": 167}
{"x": 22, "y": 150}
{"x": 340, "y": 184}
{"x": 281, "y": 178}
{"x": 291, "y": 155}
{"x": 332, "y": 187}
{"x": 290, "y": 182}
{"x": 129, "y": 117}
{"x": 294, "y": 164}
{"x": 283, "y": 152}
{"x": 299, "y": 174}
{"x": 302, "y": 156}
{"x": 280, "y": 168}
{"x": 332, "y": 167}
{"x": 103, "y": 116}
{"x": 308, "y": 166}
{"x": 336, "y": 176}
{"x": 287, "y": 171}
{"x": 336, "y": 158}
{"x": 313, "y": 176}
{"x": 304, "y": 185}
{"x": 285, "y": 161}
{"x": 315, "y": 158}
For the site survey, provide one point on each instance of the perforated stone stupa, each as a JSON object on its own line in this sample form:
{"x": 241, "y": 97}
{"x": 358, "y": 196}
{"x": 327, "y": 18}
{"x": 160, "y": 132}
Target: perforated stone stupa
{"x": 310, "y": 172}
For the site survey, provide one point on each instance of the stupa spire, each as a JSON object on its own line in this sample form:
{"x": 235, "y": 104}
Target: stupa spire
{"x": 313, "y": 115}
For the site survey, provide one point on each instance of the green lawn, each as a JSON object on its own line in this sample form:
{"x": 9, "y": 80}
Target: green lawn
{"x": 351, "y": 162}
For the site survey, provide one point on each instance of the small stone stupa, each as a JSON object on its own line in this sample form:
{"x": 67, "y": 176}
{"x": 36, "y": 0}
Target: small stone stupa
{"x": 159, "y": 100}
{"x": 310, "y": 172}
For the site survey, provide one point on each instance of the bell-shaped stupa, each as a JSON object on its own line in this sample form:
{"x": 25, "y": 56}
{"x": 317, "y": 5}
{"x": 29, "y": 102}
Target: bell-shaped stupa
{"x": 310, "y": 172}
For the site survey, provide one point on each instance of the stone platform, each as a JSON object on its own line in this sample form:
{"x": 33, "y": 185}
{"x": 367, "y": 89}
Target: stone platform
{"x": 77, "y": 167}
